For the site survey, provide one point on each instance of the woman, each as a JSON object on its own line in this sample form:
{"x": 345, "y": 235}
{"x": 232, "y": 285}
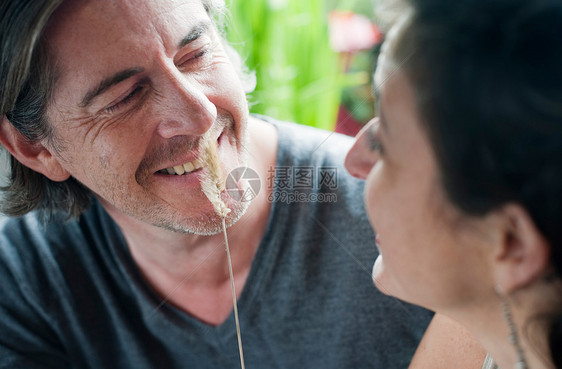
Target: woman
{"x": 463, "y": 171}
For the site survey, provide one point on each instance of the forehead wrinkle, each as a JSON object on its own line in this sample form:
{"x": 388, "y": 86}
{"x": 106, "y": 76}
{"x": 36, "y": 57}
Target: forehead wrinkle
{"x": 165, "y": 27}
{"x": 183, "y": 17}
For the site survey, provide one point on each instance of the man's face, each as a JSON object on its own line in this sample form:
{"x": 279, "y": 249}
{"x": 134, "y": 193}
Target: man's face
{"x": 139, "y": 83}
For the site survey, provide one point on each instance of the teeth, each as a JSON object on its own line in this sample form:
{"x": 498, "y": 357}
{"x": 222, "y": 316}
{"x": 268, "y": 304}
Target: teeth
{"x": 182, "y": 169}
{"x": 188, "y": 167}
{"x": 179, "y": 169}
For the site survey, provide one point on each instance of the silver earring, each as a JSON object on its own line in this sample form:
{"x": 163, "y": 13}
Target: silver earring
{"x": 513, "y": 336}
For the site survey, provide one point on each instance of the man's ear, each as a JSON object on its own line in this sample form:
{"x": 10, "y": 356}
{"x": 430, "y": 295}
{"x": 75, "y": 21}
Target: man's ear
{"x": 522, "y": 253}
{"x": 33, "y": 155}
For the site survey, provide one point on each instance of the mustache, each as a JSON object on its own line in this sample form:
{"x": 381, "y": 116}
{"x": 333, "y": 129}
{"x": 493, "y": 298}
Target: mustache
{"x": 177, "y": 146}
{"x": 173, "y": 147}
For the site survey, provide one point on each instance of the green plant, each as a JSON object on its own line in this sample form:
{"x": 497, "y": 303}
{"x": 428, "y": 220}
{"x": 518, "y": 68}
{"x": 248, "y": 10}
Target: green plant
{"x": 286, "y": 43}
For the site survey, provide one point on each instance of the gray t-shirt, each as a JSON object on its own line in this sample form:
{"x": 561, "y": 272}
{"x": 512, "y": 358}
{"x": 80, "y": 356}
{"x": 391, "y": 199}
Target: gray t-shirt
{"x": 71, "y": 295}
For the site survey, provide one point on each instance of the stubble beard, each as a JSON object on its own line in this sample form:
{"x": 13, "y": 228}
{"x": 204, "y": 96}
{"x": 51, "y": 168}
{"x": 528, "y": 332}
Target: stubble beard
{"x": 204, "y": 224}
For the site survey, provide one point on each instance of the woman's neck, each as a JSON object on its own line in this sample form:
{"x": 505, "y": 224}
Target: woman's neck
{"x": 531, "y": 310}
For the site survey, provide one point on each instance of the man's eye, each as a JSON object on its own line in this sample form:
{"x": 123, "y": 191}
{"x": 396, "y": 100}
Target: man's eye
{"x": 194, "y": 57}
{"x": 124, "y": 101}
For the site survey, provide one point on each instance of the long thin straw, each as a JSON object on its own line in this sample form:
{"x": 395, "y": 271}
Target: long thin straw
{"x": 212, "y": 185}
{"x": 233, "y": 296}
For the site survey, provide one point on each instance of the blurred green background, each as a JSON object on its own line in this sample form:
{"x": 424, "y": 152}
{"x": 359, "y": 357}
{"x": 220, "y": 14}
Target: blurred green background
{"x": 299, "y": 77}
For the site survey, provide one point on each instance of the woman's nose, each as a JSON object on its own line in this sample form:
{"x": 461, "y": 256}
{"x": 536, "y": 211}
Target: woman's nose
{"x": 360, "y": 159}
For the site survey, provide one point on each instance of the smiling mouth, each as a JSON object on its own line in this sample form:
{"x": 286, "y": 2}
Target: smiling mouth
{"x": 180, "y": 170}
{"x": 189, "y": 167}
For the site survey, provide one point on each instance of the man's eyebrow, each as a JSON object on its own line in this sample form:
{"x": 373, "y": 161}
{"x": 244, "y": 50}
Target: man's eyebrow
{"x": 194, "y": 34}
{"x": 107, "y": 83}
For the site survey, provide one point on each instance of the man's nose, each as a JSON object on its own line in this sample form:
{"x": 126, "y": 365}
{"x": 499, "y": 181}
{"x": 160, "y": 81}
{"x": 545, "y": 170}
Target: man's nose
{"x": 187, "y": 109}
{"x": 360, "y": 159}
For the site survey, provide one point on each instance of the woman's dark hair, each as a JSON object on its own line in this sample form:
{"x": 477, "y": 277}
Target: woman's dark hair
{"x": 488, "y": 82}
{"x": 27, "y": 78}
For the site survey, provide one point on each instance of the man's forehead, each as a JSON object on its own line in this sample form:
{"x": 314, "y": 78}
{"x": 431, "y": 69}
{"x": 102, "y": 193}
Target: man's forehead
{"x": 91, "y": 39}
{"x": 93, "y": 19}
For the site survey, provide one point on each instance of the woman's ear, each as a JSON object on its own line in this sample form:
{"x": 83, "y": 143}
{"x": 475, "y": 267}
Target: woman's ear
{"x": 31, "y": 154}
{"x": 522, "y": 253}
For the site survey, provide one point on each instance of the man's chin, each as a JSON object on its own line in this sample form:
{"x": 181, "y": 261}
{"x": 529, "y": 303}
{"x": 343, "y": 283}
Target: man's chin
{"x": 209, "y": 225}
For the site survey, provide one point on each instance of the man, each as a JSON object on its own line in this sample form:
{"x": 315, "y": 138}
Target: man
{"x": 105, "y": 106}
